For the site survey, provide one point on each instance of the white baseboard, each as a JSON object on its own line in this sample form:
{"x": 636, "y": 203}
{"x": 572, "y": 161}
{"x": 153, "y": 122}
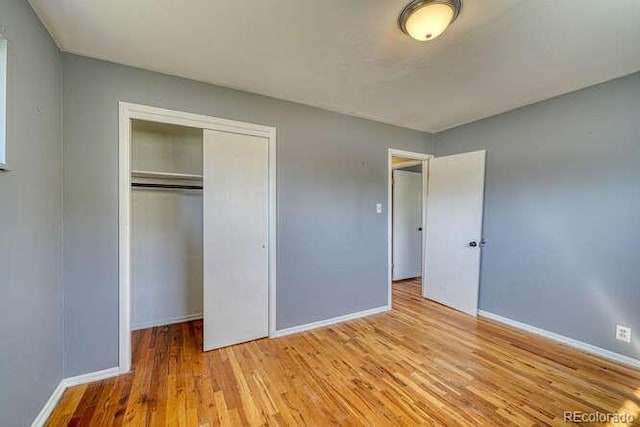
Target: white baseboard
{"x": 49, "y": 406}
{"x": 327, "y": 322}
{"x": 53, "y": 400}
{"x": 598, "y": 351}
{"x": 91, "y": 377}
{"x": 165, "y": 322}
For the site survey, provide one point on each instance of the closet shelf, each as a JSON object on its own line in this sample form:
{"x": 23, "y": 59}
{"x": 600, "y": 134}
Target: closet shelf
{"x": 164, "y": 175}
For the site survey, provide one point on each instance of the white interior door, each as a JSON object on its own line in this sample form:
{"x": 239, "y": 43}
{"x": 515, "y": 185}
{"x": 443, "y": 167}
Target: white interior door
{"x": 236, "y": 269}
{"x": 454, "y": 230}
{"x": 407, "y": 224}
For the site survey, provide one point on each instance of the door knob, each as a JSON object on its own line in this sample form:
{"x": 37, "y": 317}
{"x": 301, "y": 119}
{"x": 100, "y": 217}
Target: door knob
{"x": 419, "y": 228}
{"x": 473, "y": 244}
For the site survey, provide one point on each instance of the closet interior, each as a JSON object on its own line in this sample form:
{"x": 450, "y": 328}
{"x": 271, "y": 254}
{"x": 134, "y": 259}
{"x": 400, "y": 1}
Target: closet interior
{"x": 166, "y": 224}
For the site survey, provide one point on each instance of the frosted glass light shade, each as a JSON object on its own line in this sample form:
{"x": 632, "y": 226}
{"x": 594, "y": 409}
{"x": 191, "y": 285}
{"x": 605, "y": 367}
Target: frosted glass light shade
{"x": 426, "y": 20}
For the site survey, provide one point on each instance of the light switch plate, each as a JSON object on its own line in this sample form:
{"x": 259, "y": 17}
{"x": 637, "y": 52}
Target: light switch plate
{"x": 378, "y": 207}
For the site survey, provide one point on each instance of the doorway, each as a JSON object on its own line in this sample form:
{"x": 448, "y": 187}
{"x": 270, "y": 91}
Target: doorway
{"x": 450, "y": 242}
{"x": 406, "y": 214}
{"x": 223, "y": 141}
{"x": 407, "y": 183}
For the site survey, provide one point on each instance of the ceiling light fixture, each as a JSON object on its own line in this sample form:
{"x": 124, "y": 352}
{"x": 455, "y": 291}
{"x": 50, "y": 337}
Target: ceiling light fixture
{"x": 427, "y": 19}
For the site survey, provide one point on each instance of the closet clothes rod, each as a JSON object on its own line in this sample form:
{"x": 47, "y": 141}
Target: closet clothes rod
{"x": 171, "y": 186}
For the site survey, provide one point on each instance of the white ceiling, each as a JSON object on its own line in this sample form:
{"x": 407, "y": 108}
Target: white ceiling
{"x": 349, "y": 55}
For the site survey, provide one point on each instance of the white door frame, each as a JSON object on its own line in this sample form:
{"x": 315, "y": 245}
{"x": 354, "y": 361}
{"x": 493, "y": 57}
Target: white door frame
{"x": 423, "y": 159}
{"x": 128, "y": 112}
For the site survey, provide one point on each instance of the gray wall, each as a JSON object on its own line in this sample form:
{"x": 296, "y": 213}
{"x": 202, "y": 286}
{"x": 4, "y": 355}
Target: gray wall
{"x": 562, "y": 212}
{"x": 332, "y": 246}
{"x": 31, "y": 331}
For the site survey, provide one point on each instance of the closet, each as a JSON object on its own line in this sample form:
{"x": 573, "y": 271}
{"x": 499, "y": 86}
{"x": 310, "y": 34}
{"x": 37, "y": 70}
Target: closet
{"x": 200, "y": 227}
{"x": 166, "y": 224}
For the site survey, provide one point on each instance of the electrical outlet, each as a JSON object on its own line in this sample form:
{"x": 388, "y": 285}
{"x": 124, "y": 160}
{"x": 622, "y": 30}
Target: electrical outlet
{"x": 623, "y": 333}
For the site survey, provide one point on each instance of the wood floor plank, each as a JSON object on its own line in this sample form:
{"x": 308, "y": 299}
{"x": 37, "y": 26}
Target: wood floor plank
{"x": 421, "y": 363}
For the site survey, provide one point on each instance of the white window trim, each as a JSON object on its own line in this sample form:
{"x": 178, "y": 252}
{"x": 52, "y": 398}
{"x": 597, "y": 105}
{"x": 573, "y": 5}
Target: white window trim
{"x": 3, "y": 104}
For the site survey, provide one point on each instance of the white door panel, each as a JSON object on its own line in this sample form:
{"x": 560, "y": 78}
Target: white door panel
{"x": 407, "y": 221}
{"x": 454, "y": 221}
{"x": 235, "y": 203}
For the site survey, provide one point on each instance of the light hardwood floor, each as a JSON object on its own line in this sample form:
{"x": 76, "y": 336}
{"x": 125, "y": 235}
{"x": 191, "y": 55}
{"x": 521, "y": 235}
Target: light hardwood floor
{"x": 421, "y": 363}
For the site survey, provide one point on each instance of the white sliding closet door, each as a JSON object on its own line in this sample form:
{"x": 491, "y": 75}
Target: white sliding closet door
{"x": 236, "y": 246}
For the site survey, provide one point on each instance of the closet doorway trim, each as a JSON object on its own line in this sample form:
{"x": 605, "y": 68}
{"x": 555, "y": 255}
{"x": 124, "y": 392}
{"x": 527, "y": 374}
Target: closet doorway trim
{"x": 128, "y": 112}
